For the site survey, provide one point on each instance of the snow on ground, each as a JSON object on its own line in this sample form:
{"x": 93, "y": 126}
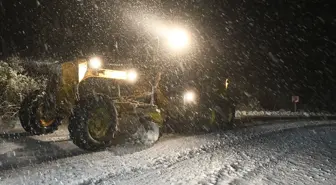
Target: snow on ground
{"x": 18, "y": 148}
{"x": 280, "y": 153}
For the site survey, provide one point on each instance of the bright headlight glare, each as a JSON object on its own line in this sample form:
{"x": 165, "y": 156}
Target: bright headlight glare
{"x": 82, "y": 68}
{"x": 178, "y": 38}
{"x": 189, "y": 97}
{"x": 132, "y": 76}
{"x": 122, "y": 75}
{"x": 95, "y": 63}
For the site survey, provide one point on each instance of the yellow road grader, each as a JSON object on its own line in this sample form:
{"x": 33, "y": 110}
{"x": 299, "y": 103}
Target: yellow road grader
{"x": 104, "y": 106}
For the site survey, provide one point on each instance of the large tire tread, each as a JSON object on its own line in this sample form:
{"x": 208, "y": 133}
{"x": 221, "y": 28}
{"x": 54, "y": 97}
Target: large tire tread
{"x": 78, "y": 125}
{"x": 27, "y": 116}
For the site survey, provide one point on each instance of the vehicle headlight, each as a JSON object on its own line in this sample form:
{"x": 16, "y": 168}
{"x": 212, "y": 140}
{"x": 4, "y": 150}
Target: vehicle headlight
{"x": 82, "y": 69}
{"x": 132, "y": 76}
{"x": 121, "y": 75}
{"x": 189, "y": 97}
{"x": 95, "y": 63}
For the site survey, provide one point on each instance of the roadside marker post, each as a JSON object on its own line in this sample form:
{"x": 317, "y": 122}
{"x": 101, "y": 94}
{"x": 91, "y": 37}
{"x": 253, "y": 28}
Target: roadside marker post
{"x": 295, "y": 100}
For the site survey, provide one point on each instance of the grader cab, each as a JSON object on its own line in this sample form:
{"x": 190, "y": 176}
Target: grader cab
{"x": 98, "y": 103}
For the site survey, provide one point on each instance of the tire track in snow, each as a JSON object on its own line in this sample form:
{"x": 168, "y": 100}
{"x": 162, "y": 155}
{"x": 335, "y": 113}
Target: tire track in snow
{"x": 246, "y": 172}
{"x": 46, "y": 148}
{"x": 171, "y": 160}
{"x": 21, "y": 149}
{"x": 96, "y": 167}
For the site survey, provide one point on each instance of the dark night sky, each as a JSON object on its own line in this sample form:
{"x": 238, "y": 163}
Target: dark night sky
{"x": 271, "y": 49}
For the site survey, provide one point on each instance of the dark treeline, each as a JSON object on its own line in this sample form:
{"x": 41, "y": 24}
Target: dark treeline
{"x": 270, "y": 49}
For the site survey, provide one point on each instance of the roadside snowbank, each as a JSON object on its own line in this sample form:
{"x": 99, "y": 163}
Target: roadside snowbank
{"x": 240, "y": 114}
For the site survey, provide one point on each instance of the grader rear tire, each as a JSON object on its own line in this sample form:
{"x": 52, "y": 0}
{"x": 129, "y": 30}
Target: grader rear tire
{"x": 93, "y": 123}
{"x": 32, "y": 119}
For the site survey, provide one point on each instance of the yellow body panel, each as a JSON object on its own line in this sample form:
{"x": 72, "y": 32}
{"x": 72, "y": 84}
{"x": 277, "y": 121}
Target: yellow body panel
{"x": 73, "y": 73}
{"x": 76, "y": 79}
{"x": 67, "y": 85}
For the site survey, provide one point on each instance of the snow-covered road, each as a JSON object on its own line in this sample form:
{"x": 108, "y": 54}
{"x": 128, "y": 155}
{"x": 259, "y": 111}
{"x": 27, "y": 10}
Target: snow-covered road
{"x": 301, "y": 152}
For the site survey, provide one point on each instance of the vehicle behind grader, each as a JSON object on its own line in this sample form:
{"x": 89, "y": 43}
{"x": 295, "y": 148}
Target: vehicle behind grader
{"x": 107, "y": 106}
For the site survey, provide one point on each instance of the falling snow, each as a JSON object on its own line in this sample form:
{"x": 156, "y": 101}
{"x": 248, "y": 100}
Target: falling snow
{"x": 255, "y": 56}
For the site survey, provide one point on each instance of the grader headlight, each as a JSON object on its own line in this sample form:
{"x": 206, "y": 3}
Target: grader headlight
{"x": 189, "y": 97}
{"x": 121, "y": 75}
{"x": 95, "y": 63}
{"x": 130, "y": 76}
